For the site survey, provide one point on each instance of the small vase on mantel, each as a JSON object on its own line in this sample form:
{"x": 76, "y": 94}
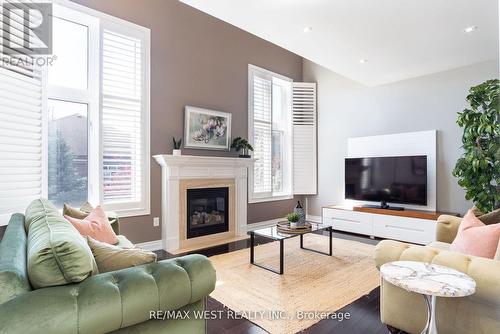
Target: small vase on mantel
{"x": 176, "y": 153}
{"x": 302, "y": 214}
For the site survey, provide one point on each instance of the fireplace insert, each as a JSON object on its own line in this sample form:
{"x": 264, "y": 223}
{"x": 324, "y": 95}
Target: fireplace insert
{"x": 207, "y": 211}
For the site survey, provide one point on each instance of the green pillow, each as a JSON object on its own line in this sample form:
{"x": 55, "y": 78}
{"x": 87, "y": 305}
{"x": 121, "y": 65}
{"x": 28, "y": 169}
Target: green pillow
{"x": 68, "y": 210}
{"x": 110, "y": 257}
{"x": 56, "y": 254}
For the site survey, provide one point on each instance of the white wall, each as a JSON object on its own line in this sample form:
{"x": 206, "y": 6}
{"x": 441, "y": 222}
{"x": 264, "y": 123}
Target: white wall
{"x": 348, "y": 109}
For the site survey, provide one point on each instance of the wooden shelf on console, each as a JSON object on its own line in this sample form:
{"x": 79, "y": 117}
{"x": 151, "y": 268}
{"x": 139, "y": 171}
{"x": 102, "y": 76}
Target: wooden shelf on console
{"x": 431, "y": 215}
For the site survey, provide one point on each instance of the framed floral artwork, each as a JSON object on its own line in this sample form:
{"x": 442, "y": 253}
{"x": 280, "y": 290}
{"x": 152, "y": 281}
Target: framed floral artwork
{"x": 206, "y": 129}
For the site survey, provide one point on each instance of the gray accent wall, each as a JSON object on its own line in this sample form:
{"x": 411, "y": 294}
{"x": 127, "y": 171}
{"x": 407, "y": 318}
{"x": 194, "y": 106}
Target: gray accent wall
{"x": 202, "y": 61}
{"x": 348, "y": 109}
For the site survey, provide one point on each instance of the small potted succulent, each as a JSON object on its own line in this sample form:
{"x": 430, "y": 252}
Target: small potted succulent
{"x": 242, "y": 146}
{"x": 293, "y": 219}
{"x": 177, "y": 146}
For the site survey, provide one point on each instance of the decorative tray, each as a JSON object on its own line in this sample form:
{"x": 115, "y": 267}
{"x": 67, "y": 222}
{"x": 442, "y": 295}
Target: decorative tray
{"x": 284, "y": 227}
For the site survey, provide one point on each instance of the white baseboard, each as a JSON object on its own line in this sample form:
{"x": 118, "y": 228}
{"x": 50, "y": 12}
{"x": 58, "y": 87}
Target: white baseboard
{"x": 262, "y": 224}
{"x": 150, "y": 245}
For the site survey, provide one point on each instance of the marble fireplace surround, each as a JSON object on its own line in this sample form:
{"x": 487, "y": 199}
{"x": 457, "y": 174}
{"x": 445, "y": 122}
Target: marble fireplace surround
{"x": 180, "y": 173}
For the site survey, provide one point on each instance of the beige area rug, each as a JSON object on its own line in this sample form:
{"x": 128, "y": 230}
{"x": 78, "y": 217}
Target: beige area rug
{"x": 311, "y": 281}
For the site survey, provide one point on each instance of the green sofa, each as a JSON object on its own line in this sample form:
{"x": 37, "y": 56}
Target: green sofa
{"x": 119, "y": 302}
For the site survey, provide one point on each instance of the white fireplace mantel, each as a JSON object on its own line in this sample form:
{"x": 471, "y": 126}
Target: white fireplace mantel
{"x": 176, "y": 168}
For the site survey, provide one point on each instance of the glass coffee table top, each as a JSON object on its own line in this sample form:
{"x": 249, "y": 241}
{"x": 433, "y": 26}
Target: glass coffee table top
{"x": 273, "y": 233}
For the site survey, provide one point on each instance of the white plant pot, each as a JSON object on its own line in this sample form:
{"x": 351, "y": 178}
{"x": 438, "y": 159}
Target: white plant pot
{"x": 293, "y": 224}
{"x": 176, "y": 152}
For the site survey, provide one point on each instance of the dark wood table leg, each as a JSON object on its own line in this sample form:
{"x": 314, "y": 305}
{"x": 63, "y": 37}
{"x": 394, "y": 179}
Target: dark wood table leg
{"x": 301, "y": 241}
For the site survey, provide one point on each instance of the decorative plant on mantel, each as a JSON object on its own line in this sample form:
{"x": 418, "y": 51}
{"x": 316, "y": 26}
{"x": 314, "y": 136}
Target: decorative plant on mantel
{"x": 177, "y": 146}
{"x": 241, "y": 145}
{"x": 478, "y": 169}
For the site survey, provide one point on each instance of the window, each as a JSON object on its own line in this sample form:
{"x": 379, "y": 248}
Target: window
{"x": 67, "y": 152}
{"x": 71, "y": 108}
{"x": 80, "y": 132}
{"x": 270, "y": 132}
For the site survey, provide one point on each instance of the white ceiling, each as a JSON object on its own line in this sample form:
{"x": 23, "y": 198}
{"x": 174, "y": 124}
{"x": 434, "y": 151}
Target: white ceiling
{"x": 400, "y": 39}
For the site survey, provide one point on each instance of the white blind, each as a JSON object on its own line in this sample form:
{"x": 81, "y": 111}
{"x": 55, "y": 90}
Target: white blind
{"x": 304, "y": 138}
{"x": 122, "y": 118}
{"x": 262, "y": 131}
{"x": 21, "y": 132}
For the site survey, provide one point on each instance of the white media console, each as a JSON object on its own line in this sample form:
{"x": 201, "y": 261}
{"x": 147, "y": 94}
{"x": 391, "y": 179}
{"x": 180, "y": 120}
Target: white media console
{"x": 410, "y": 225}
{"x": 417, "y": 227}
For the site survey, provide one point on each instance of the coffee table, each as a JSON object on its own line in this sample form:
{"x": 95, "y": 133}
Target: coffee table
{"x": 273, "y": 234}
{"x": 431, "y": 281}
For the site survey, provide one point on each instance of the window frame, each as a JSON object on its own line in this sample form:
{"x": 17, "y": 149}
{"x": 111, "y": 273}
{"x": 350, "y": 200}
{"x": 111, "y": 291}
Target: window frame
{"x": 87, "y": 96}
{"x": 94, "y": 99}
{"x": 288, "y": 145}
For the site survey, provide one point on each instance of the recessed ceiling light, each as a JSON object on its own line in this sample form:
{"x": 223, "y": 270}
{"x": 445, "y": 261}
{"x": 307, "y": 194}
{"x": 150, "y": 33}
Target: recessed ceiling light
{"x": 307, "y": 29}
{"x": 363, "y": 61}
{"x": 470, "y": 29}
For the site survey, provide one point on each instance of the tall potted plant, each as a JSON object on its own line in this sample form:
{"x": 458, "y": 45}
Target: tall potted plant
{"x": 478, "y": 169}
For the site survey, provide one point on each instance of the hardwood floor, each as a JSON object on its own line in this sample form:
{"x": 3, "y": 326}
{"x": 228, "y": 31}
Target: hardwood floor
{"x": 364, "y": 312}
{"x": 364, "y": 318}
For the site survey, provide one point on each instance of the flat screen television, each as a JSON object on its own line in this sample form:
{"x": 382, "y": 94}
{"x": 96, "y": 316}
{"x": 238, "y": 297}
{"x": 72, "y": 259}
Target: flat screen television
{"x": 401, "y": 180}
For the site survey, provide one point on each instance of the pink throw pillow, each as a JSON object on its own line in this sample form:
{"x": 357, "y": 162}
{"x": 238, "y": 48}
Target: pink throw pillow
{"x": 476, "y": 238}
{"x": 96, "y": 226}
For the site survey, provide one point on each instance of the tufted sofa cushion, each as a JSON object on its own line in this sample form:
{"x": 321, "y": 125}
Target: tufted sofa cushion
{"x": 447, "y": 228}
{"x": 56, "y": 254}
{"x": 110, "y": 301}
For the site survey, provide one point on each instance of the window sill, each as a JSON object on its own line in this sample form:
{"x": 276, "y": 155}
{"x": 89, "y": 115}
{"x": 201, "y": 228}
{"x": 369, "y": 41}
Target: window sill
{"x": 269, "y": 199}
{"x": 126, "y": 213}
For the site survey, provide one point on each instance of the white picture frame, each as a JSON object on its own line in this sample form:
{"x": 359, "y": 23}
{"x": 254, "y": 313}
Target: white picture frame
{"x": 207, "y": 129}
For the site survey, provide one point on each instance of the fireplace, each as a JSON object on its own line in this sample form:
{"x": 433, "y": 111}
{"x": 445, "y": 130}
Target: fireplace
{"x": 207, "y": 211}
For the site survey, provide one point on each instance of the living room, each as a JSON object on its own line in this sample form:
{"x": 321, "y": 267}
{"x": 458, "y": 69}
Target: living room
{"x": 188, "y": 166}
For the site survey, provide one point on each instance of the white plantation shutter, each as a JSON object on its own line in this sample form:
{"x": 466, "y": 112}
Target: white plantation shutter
{"x": 13, "y": 37}
{"x": 262, "y": 131}
{"x": 125, "y": 120}
{"x": 304, "y": 139}
{"x": 22, "y": 153}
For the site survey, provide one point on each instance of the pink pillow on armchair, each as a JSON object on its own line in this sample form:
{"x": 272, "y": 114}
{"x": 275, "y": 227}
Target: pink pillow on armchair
{"x": 96, "y": 226}
{"x": 476, "y": 238}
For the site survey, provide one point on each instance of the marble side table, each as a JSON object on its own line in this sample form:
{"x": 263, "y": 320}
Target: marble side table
{"x": 430, "y": 280}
